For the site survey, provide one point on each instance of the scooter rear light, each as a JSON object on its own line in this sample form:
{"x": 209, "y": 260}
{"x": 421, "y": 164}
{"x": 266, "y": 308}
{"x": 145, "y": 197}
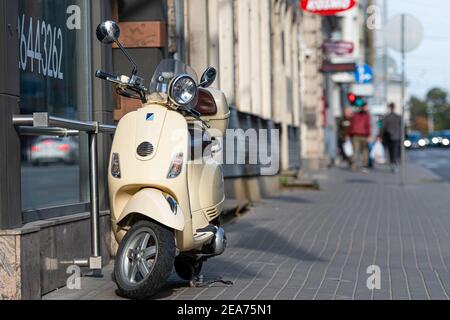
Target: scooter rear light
{"x": 176, "y": 167}
{"x": 115, "y": 166}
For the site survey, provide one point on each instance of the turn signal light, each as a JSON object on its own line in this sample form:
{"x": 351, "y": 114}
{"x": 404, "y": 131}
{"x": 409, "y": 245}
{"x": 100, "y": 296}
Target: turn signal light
{"x": 115, "y": 166}
{"x": 176, "y": 167}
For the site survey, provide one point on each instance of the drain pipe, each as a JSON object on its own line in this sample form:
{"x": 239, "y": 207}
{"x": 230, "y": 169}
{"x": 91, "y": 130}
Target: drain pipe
{"x": 179, "y": 30}
{"x": 96, "y": 259}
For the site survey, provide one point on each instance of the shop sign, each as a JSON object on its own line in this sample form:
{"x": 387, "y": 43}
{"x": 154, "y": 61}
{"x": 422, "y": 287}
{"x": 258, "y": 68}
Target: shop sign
{"x": 339, "y": 48}
{"x": 327, "y": 7}
{"x": 338, "y": 67}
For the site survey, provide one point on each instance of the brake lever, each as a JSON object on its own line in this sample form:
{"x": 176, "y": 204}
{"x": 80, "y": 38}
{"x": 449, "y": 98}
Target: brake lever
{"x": 197, "y": 116}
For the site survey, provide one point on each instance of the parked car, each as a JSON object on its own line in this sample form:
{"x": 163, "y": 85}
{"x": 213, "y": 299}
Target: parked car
{"x": 445, "y": 138}
{"x": 440, "y": 139}
{"x": 46, "y": 150}
{"x": 435, "y": 139}
{"x": 415, "y": 140}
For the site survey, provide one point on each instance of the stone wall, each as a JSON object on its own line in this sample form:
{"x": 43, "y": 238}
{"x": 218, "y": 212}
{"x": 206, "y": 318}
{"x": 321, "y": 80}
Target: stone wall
{"x": 34, "y": 259}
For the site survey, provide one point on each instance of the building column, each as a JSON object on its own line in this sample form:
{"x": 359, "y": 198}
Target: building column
{"x": 255, "y": 53}
{"x": 213, "y": 37}
{"x": 16, "y": 280}
{"x": 243, "y": 65}
{"x": 197, "y": 34}
{"x": 226, "y": 49}
{"x": 295, "y": 39}
{"x": 288, "y": 46}
{"x": 312, "y": 93}
{"x": 266, "y": 58}
{"x": 10, "y": 164}
{"x": 278, "y": 84}
{"x": 103, "y": 103}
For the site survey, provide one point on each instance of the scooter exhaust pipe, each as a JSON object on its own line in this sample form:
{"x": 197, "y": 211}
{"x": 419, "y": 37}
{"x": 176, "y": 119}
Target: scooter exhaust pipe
{"x": 219, "y": 243}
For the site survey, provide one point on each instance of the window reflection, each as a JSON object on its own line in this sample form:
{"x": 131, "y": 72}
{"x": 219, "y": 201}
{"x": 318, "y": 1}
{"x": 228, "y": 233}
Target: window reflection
{"x": 54, "y": 64}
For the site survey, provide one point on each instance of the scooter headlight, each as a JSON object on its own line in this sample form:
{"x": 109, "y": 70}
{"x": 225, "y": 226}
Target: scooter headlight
{"x": 183, "y": 90}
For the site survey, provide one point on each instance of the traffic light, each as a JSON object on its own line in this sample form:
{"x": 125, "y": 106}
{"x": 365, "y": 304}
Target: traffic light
{"x": 351, "y": 98}
{"x": 355, "y": 101}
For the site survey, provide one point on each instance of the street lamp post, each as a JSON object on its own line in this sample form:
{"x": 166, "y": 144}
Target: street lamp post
{"x": 430, "y": 115}
{"x": 403, "y": 151}
{"x": 403, "y": 33}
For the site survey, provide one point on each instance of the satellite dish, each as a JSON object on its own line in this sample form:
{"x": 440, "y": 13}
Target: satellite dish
{"x": 413, "y": 33}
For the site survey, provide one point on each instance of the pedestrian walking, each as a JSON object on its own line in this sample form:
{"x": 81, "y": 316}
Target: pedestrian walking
{"x": 343, "y": 133}
{"x": 360, "y": 131}
{"x": 391, "y": 133}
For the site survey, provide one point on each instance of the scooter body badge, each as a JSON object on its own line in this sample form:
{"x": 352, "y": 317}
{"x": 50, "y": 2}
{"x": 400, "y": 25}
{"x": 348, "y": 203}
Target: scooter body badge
{"x": 150, "y": 117}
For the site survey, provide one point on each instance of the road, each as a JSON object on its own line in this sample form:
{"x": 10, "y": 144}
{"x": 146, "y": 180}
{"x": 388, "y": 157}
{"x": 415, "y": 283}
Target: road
{"x": 436, "y": 160}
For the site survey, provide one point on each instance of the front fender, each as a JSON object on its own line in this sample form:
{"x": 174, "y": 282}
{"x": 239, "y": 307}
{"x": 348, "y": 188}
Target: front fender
{"x": 152, "y": 204}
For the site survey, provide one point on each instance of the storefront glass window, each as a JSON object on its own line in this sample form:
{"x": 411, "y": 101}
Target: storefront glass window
{"x": 55, "y": 76}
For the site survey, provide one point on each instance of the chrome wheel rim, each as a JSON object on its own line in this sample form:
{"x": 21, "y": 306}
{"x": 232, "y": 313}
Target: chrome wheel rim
{"x": 139, "y": 258}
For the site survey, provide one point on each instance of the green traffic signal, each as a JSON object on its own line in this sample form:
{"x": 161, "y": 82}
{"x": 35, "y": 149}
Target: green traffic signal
{"x": 359, "y": 102}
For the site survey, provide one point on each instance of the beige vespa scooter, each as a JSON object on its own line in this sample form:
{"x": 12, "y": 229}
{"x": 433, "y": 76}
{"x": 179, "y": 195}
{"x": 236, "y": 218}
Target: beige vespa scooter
{"x": 166, "y": 189}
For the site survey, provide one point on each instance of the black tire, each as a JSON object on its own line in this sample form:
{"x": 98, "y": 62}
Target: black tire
{"x": 160, "y": 268}
{"x": 188, "y": 268}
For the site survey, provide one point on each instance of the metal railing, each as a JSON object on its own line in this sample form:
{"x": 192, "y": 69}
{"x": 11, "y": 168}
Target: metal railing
{"x": 43, "y": 124}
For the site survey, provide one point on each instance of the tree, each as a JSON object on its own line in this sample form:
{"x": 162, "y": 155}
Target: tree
{"x": 436, "y": 100}
{"x": 419, "y": 115}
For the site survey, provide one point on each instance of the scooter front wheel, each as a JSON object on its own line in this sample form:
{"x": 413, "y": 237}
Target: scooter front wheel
{"x": 145, "y": 260}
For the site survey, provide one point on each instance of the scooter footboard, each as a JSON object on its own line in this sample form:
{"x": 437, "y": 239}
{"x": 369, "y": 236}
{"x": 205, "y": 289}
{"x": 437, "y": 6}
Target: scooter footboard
{"x": 152, "y": 203}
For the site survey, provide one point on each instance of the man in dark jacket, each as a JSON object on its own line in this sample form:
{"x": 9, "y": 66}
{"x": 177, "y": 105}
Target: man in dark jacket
{"x": 391, "y": 133}
{"x": 360, "y": 131}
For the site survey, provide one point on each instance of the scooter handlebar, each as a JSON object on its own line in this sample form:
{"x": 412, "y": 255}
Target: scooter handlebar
{"x": 106, "y": 76}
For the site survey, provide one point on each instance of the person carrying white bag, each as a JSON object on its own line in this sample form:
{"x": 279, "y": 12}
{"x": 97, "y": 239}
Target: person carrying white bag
{"x": 378, "y": 154}
{"x": 348, "y": 148}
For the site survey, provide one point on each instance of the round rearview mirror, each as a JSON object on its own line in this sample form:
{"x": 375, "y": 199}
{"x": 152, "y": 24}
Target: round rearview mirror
{"x": 208, "y": 77}
{"x": 108, "y": 32}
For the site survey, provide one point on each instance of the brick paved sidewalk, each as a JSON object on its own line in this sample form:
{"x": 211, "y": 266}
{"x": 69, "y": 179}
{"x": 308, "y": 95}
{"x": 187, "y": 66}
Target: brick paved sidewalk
{"x": 318, "y": 245}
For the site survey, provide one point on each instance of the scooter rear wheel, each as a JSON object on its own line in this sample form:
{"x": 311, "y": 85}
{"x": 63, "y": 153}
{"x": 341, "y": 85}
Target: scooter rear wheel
{"x": 145, "y": 260}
